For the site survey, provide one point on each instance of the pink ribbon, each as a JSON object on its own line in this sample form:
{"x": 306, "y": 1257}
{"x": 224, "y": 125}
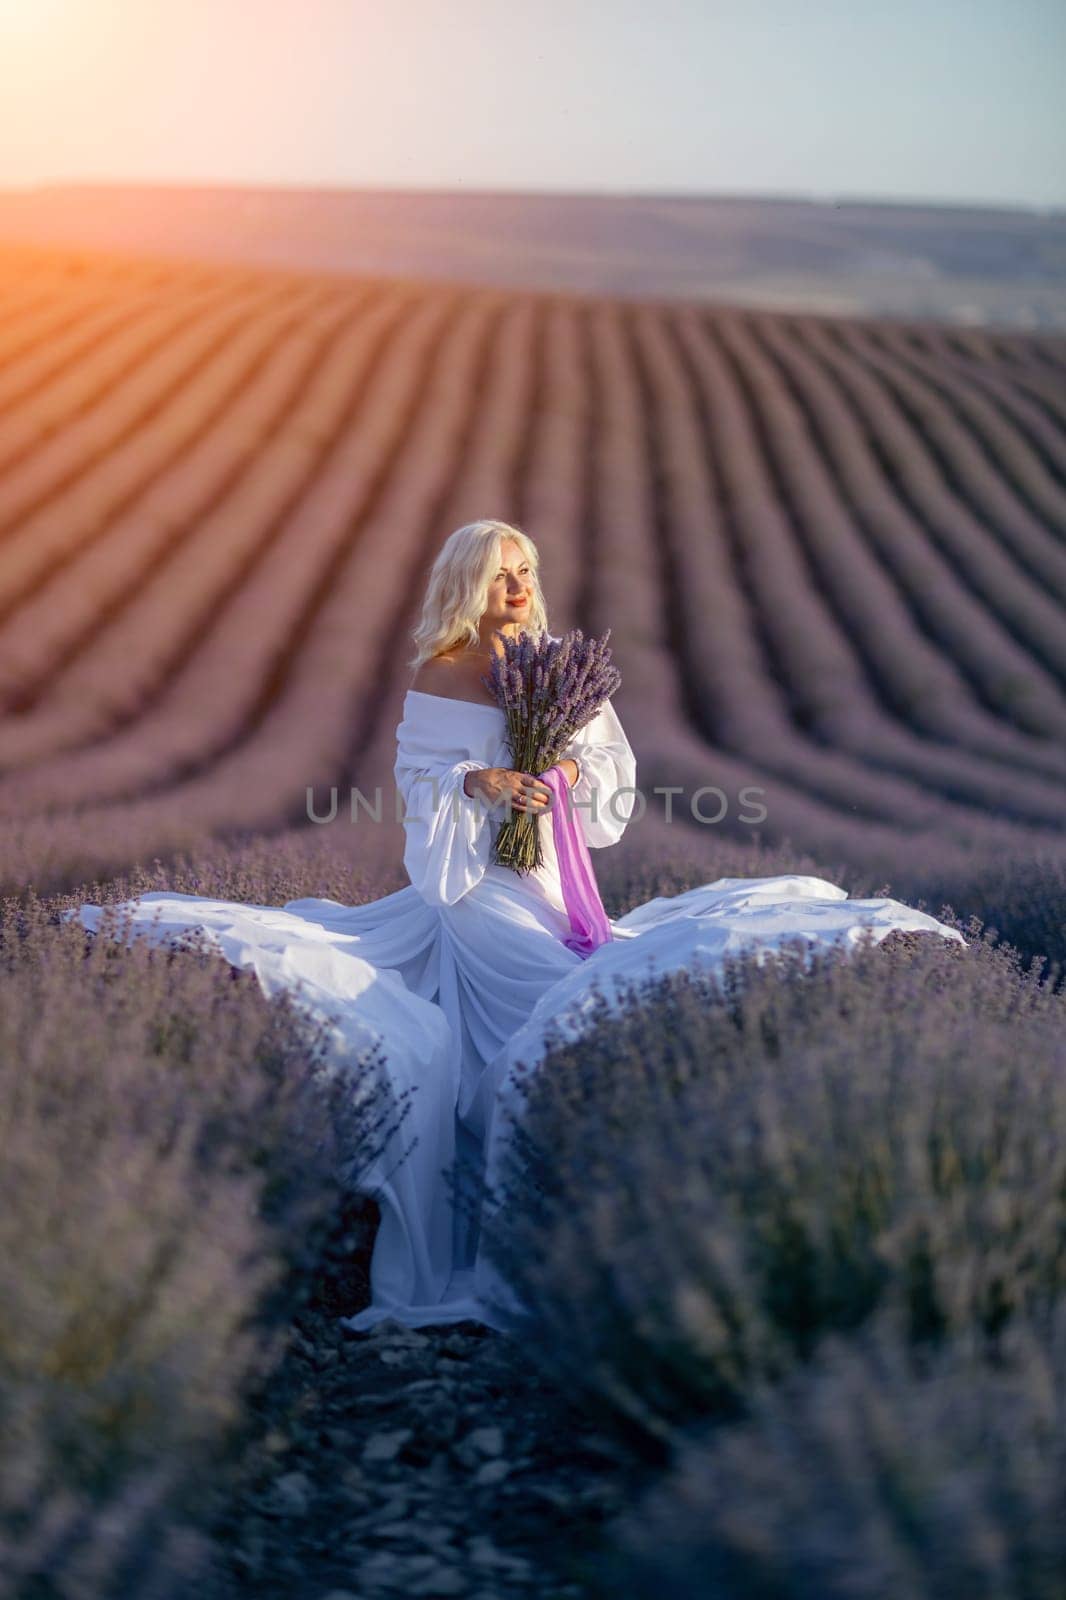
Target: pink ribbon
{"x": 589, "y": 925}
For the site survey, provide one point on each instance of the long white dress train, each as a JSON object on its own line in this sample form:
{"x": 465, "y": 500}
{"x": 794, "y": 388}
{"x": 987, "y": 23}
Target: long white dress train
{"x": 456, "y": 976}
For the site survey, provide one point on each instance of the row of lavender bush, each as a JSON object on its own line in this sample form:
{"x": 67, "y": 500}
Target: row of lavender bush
{"x": 868, "y": 1472}
{"x": 175, "y": 1150}
{"x": 800, "y": 1237}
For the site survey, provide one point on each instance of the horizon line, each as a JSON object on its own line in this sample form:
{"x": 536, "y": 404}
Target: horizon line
{"x": 836, "y": 199}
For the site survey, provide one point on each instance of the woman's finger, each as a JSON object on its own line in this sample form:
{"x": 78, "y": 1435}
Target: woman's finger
{"x": 532, "y": 793}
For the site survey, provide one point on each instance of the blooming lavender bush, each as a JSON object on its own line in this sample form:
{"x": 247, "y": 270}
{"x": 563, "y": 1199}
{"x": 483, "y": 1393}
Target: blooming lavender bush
{"x": 172, "y": 1157}
{"x": 260, "y": 869}
{"x": 548, "y": 689}
{"x": 870, "y": 1476}
{"x": 730, "y": 1168}
{"x": 1021, "y": 895}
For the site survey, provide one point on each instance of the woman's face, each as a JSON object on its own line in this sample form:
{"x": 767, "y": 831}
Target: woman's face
{"x": 510, "y": 590}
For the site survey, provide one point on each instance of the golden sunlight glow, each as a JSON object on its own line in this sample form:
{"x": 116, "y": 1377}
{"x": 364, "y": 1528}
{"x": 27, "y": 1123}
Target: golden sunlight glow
{"x": 22, "y": 19}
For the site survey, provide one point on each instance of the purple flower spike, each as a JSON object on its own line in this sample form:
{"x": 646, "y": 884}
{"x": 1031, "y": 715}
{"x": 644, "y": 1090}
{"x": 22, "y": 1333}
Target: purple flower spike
{"x": 548, "y": 689}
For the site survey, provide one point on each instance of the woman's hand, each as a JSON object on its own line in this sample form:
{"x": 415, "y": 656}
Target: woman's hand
{"x": 500, "y": 784}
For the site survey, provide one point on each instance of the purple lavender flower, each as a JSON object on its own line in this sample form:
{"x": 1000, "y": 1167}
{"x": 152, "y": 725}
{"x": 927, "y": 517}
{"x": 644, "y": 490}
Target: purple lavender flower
{"x": 548, "y": 689}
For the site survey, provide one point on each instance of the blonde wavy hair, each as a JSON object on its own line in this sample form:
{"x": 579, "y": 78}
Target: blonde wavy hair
{"x": 458, "y": 588}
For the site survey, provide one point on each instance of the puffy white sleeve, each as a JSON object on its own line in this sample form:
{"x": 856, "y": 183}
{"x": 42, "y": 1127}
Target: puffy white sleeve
{"x": 604, "y": 796}
{"x": 448, "y": 833}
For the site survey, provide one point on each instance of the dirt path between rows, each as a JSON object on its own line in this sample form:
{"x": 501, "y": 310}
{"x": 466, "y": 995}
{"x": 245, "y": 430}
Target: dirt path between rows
{"x": 404, "y": 1462}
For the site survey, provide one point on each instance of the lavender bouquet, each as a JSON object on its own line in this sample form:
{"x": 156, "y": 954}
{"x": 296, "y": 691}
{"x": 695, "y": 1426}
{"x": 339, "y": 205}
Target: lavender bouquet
{"x": 547, "y": 689}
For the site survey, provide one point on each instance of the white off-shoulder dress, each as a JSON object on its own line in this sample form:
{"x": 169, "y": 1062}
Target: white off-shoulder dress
{"x": 456, "y": 976}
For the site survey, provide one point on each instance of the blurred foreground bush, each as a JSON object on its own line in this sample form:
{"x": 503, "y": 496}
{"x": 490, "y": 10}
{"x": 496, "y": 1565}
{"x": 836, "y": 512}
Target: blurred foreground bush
{"x": 877, "y": 1473}
{"x": 728, "y": 1169}
{"x": 173, "y": 1146}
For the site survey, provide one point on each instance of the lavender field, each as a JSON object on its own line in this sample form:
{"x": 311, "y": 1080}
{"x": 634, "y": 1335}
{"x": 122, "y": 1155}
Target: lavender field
{"x": 827, "y": 1212}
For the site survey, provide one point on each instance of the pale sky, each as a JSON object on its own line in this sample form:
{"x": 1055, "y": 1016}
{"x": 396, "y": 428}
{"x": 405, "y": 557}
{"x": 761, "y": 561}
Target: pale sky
{"x": 933, "y": 100}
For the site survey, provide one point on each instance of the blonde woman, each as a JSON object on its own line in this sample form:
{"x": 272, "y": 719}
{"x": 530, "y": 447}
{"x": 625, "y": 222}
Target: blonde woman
{"x": 485, "y": 944}
{"x": 441, "y": 973}
{"x": 455, "y": 975}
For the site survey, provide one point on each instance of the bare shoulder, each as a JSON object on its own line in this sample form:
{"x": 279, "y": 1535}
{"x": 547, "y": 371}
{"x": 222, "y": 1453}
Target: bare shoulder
{"x": 434, "y": 676}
